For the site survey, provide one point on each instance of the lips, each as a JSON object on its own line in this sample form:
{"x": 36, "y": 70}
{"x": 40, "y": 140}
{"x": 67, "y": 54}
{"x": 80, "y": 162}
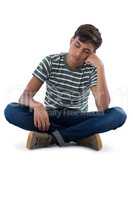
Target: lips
{"x": 75, "y": 60}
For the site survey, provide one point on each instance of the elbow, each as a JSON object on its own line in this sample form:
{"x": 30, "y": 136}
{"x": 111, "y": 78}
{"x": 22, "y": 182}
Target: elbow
{"x": 21, "y": 100}
{"x": 103, "y": 104}
{"x": 102, "y": 107}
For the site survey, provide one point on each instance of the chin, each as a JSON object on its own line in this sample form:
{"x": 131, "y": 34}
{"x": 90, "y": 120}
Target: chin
{"x": 75, "y": 61}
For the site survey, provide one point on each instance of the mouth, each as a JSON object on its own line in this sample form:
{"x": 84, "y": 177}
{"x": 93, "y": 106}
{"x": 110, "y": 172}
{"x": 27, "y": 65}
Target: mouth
{"x": 75, "y": 60}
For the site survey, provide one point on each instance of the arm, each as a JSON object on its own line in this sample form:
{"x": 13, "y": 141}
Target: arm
{"x": 31, "y": 89}
{"x": 41, "y": 118}
{"x": 40, "y": 75}
{"x": 100, "y": 91}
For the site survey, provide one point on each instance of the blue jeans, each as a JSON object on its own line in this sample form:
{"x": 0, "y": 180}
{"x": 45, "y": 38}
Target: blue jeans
{"x": 72, "y": 125}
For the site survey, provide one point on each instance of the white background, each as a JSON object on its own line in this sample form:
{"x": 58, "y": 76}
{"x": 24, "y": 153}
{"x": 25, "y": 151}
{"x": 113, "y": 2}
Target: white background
{"x": 30, "y": 30}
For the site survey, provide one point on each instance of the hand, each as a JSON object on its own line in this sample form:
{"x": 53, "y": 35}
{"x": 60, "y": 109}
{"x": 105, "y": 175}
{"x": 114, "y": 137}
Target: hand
{"x": 94, "y": 59}
{"x": 41, "y": 118}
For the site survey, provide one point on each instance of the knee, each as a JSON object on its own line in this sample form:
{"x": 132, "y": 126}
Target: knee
{"x": 9, "y": 111}
{"x": 120, "y": 115}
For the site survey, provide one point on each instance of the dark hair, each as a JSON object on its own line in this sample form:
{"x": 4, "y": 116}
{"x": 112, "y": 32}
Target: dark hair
{"x": 89, "y": 33}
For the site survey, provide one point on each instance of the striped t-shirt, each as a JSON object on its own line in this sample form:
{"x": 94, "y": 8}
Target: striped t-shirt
{"x": 65, "y": 88}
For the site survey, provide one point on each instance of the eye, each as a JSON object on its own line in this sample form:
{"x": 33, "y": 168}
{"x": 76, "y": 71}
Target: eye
{"x": 76, "y": 45}
{"x": 87, "y": 52}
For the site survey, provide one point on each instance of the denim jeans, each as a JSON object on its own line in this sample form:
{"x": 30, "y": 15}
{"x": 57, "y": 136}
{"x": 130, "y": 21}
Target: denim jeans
{"x": 71, "y": 125}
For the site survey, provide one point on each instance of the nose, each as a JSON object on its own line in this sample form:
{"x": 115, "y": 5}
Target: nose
{"x": 78, "y": 54}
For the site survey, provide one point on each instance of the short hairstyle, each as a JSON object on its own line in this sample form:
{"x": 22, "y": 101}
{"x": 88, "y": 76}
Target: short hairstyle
{"x": 89, "y": 33}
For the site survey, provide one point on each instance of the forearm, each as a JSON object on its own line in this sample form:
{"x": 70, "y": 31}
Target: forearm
{"x": 103, "y": 97}
{"x": 100, "y": 91}
{"x": 27, "y": 99}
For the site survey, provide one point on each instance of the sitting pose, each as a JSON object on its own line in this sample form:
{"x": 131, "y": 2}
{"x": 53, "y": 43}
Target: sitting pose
{"x": 64, "y": 116}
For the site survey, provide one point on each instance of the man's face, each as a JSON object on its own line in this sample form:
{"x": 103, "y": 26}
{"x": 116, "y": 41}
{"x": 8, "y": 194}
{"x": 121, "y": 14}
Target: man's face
{"x": 79, "y": 51}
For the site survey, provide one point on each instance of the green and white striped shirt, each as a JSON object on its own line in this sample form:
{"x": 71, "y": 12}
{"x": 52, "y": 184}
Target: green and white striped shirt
{"x": 64, "y": 87}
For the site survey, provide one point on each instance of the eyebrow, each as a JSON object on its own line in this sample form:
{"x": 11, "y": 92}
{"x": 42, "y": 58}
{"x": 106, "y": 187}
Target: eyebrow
{"x": 84, "y": 48}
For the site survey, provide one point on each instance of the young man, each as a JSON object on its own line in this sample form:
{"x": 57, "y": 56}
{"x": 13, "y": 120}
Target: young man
{"x": 64, "y": 116}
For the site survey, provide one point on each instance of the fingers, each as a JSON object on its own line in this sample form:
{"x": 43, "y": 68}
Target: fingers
{"x": 41, "y": 119}
{"x": 47, "y": 123}
{"x": 42, "y": 123}
{"x": 35, "y": 121}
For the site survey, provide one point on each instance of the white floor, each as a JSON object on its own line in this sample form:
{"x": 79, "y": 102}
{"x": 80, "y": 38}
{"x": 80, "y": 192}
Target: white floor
{"x": 66, "y": 172}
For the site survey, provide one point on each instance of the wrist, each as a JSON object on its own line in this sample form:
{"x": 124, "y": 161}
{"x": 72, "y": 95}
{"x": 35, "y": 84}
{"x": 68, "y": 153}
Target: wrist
{"x": 36, "y": 104}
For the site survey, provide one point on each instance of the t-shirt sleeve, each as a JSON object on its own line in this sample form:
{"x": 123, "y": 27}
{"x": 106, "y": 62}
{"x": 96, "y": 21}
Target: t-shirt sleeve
{"x": 42, "y": 71}
{"x": 93, "y": 80}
